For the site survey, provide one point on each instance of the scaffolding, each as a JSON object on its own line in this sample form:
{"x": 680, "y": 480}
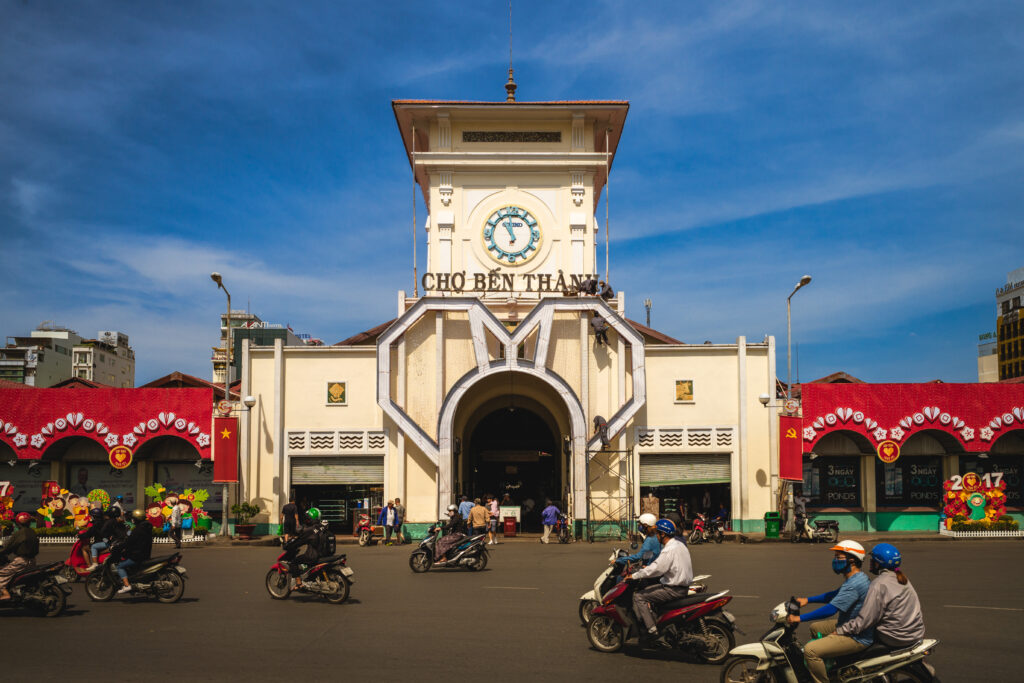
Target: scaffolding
{"x": 610, "y": 513}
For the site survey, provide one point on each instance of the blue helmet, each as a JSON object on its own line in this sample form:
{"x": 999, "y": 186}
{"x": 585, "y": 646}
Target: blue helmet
{"x": 666, "y": 526}
{"x": 886, "y": 556}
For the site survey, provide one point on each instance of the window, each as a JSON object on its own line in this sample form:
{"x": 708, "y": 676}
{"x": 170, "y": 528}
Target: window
{"x": 1006, "y": 306}
{"x": 684, "y": 391}
{"x": 1016, "y": 302}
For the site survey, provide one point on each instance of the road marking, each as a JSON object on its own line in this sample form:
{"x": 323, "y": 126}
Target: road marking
{"x": 1001, "y": 609}
{"x": 514, "y": 588}
{"x": 746, "y": 596}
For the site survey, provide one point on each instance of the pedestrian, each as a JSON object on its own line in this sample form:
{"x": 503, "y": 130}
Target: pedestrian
{"x": 506, "y": 500}
{"x": 705, "y": 502}
{"x": 464, "y": 507}
{"x": 387, "y": 520}
{"x": 549, "y": 516}
{"x": 478, "y": 518}
{"x": 290, "y": 519}
{"x": 600, "y": 327}
{"x": 492, "y": 530}
{"x": 399, "y": 521}
{"x": 175, "y": 522}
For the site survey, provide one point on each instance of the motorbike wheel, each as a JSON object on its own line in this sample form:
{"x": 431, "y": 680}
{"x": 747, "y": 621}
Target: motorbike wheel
{"x": 719, "y": 536}
{"x": 279, "y": 584}
{"x": 174, "y": 589}
{"x": 69, "y": 573}
{"x": 743, "y": 669}
{"x": 724, "y": 642}
{"x": 904, "y": 676}
{"x": 420, "y": 562}
{"x": 587, "y": 610}
{"x": 695, "y": 537}
{"x": 100, "y": 587}
{"x": 52, "y": 601}
{"x": 829, "y": 536}
{"x": 479, "y": 564}
{"x": 794, "y": 536}
{"x": 605, "y": 634}
{"x": 340, "y": 595}
{"x": 563, "y": 535}
{"x": 364, "y": 537}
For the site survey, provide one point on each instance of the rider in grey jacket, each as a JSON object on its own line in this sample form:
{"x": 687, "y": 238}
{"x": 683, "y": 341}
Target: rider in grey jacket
{"x": 891, "y": 605}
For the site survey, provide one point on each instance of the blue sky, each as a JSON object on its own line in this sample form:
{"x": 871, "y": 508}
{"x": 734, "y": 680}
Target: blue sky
{"x": 148, "y": 144}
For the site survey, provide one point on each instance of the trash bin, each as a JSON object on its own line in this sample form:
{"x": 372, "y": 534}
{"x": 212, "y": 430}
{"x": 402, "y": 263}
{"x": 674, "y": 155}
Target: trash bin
{"x": 772, "y": 522}
{"x": 510, "y": 526}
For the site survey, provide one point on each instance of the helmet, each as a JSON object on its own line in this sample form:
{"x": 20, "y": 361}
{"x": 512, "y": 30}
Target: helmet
{"x": 886, "y": 556}
{"x": 138, "y": 515}
{"x": 96, "y": 513}
{"x": 23, "y": 518}
{"x": 313, "y": 514}
{"x": 452, "y": 508}
{"x": 112, "y": 512}
{"x": 666, "y": 526}
{"x": 851, "y": 548}
{"x": 647, "y": 519}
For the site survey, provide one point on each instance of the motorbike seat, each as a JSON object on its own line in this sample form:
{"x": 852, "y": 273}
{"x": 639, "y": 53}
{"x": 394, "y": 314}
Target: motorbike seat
{"x": 154, "y": 560}
{"x": 681, "y": 602}
{"x": 330, "y": 559}
{"x": 873, "y": 650}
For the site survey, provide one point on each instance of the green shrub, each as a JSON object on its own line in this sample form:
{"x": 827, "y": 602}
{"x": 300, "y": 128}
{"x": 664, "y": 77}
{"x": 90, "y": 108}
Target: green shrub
{"x": 1003, "y": 524}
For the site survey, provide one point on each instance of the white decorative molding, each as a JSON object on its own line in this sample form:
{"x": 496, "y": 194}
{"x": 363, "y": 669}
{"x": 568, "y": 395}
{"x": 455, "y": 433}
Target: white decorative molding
{"x": 578, "y": 137}
{"x": 336, "y": 442}
{"x": 445, "y": 187}
{"x": 721, "y": 438}
{"x": 444, "y": 132}
{"x": 576, "y": 178}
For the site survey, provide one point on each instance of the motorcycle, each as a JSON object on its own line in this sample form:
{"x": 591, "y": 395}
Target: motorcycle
{"x": 330, "y": 577}
{"x": 161, "y": 577}
{"x": 608, "y": 578}
{"x": 695, "y": 624}
{"x": 40, "y": 589}
{"x": 698, "y": 534}
{"x": 717, "y": 530}
{"x": 563, "y": 528}
{"x": 471, "y": 553}
{"x": 75, "y": 567}
{"x": 778, "y": 657}
{"x": 365, "y": 531}
{"x": 823, "y": 531}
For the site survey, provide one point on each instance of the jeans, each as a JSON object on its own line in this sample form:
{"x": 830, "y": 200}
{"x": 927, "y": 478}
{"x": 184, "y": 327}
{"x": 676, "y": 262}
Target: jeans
{"x": 97, "y": 547}
{"x": 124, "y": 566}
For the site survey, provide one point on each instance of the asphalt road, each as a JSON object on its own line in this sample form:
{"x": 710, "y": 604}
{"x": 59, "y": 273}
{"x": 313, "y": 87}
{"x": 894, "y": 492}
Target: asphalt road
{"x": 515, "y": 621}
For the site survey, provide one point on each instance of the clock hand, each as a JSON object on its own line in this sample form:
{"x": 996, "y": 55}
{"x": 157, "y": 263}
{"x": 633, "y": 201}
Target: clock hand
{"x": 511, "y": 232}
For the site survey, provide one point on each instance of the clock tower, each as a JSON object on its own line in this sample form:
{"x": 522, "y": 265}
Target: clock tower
{"x": 511, "y": 189}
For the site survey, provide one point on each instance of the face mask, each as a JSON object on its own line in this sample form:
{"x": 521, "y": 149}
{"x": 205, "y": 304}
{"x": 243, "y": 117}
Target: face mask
{"x": 840, "y": 565}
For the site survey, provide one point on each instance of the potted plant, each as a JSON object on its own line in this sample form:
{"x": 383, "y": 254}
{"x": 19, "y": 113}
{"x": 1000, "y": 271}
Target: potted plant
{"x": 243, "y": 512}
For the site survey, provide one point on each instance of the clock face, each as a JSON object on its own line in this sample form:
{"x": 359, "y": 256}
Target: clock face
{"x": 512, "y": 235}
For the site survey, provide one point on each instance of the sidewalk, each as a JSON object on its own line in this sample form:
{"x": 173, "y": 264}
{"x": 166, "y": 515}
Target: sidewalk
{"x": 861, "y": 537}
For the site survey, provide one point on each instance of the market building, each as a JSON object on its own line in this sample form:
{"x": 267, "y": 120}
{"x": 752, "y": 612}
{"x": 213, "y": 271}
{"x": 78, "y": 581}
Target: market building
{"x": 940, "y": 431}
{"x": 491, "y": 377}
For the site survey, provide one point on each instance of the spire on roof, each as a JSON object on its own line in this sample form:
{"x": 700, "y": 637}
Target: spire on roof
{"x": 510, "y": 87}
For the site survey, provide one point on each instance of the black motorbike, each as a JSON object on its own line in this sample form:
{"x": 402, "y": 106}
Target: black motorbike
{"x": 329, "y": 576}
{"x": 162, "y": 577}
{"x": 471, "y": 553}
{"x": 39, "y": 589}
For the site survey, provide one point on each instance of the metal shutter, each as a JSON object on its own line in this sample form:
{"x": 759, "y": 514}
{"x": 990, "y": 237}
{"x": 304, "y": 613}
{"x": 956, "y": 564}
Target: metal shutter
{"x": 338, "y": 470}
{"x": 681, "y": 468}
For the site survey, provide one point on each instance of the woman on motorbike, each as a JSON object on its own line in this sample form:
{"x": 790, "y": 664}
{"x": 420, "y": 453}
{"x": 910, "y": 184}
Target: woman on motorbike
{"x": 650, "y": 548}
{"x": 891, "y": 607}
{"x": 138, "y": 548}
{"x": 454, "y": 533}
{"x": 111, "y": 531}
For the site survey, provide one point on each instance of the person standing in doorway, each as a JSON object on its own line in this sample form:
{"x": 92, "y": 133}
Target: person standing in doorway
{"x": 387, "y": 520}
{"x": 175, "y": 521}
{"x": 399, "y": 521}
{"x": 464, "y": 507}
{"x": 549, "y": 516}
{"x": 478, "y": 518}
{"x": 492, "y": 529}
{"x": 290, "y": 519}
{"x": 705, "y": 502}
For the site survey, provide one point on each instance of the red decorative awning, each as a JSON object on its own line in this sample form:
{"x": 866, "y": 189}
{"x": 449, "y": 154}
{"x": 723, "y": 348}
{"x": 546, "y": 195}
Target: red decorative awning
{"x": 32, "y": 420}
{"x": 976, "y": 415}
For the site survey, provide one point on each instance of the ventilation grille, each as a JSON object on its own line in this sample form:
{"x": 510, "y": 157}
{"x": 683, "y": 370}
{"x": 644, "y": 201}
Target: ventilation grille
{"x": 321, "y": 441}
{"x": 297, "y": 441}
{"x": 698, "y": 438}
{"x": 671, "y": 438}
{"x": 646, "y": 438}
{"x": 376, "y": 441}
{"x": 723, "y": 437}
{"x": 350, "y": 441}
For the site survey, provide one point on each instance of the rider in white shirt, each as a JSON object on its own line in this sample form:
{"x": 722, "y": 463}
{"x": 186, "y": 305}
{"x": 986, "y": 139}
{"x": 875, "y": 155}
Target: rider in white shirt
{"x": 674, "y": 567}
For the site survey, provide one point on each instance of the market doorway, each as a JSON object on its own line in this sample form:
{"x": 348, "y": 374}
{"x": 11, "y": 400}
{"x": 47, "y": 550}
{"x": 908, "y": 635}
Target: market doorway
{"x": 341, "y": 504}
{"x": 686, "y": 500}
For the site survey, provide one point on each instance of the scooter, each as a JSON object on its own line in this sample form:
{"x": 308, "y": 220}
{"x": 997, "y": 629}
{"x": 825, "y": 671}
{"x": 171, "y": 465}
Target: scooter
{"x": 699, "y": 533}
{"x": 471, "y": 553}
{"x": 717, "y": 533}
{"x": 75, "y": 567}
{"x": 823, "y": 531}
{"x": 162, "y": 577}
{"x": 366, "y": 531}
{"x": 608, "y": 578}
{"x": 694, "y": 624}
{"x": 40, "y": 589}
{"x": 330, "y": 577}
{"x": 563, "y": 528}
{"x": 779, "y": 657}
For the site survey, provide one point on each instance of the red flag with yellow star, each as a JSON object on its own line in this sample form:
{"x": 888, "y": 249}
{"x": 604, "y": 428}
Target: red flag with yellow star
{"x": 225, "y": 450}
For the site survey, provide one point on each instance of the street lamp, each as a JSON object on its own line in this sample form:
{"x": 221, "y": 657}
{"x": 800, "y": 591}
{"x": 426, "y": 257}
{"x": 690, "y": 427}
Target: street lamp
{"x": 227, "y": 389}
{"x": 804, "y": 281}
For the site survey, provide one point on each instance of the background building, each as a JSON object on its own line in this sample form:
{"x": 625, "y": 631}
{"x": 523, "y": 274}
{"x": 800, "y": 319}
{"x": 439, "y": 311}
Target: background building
{"x": 988, "y": 357}
{"x": 108, "y": 359}
{"x": 41, "y": 359}
{"x": 239, "y": 319}
{"x": 1009, "y": 327}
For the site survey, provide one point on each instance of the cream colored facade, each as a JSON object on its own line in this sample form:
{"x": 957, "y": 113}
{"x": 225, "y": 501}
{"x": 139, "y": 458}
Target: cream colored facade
{"x": 493, "y": 340}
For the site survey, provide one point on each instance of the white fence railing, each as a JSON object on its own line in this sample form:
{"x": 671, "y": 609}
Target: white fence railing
{"x": 56, "y": 540}
{"x": 981, "y": 534}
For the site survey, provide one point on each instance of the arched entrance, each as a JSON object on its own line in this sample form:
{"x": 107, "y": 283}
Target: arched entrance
{"x": 511, "y": 435}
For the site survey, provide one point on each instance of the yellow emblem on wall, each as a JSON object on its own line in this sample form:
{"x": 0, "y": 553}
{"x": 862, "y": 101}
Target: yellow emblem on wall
{"x": 684, "y": 390}
{"x": 336, "y": 393}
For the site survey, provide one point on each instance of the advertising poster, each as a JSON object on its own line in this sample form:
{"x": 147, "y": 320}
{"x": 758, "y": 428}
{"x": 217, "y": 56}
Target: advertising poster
{"x": 26, "y": 486}
{"x": 178, "y": 476}
{"x": 83, "y": 477}
{"x": 832, "y": 482}
{"x": 1009, "y": 465}
{"x": 909, "y": 482}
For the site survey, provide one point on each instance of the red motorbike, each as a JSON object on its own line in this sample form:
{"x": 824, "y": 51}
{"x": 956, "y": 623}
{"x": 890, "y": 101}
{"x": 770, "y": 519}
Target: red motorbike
{"x": 699, "y": 532}
{"x": 75, "y": 567}
{"x": 329, "y": 577}
{"x": 695, "y": 624}
{"x": 367, "y": 532}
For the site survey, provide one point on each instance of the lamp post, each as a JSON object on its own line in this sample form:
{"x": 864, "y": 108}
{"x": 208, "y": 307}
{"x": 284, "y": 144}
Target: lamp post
{"x": 227, "y": 388}
{"x": 804, "y": 281}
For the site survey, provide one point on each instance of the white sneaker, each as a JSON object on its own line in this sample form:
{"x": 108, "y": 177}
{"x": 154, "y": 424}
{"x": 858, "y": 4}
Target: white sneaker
{"x": 92, "y": 567}
{"x": 125, "y": 589}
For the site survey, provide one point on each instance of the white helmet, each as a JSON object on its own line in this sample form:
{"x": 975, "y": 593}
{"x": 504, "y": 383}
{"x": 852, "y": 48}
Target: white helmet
{"x": 452, "y": 508}
{"x": 648, "y": 520}
{"x": 851, "y": 548}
